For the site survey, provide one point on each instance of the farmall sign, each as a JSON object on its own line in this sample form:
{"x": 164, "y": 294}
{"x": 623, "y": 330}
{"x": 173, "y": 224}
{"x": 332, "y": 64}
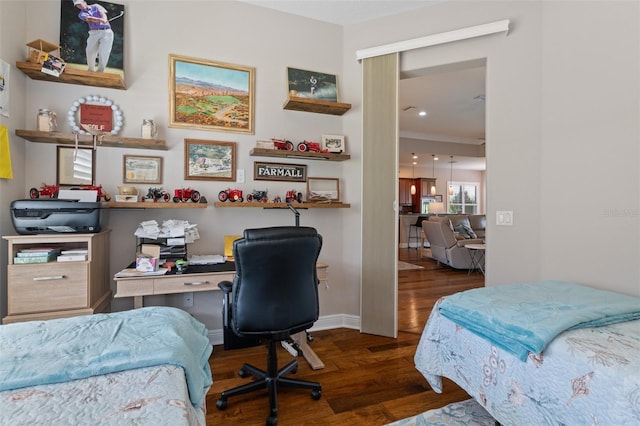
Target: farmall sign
{"x": 277, "y": 171}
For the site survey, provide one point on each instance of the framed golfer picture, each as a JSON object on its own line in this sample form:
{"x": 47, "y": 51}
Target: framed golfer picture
{"x": 90, "y": 44}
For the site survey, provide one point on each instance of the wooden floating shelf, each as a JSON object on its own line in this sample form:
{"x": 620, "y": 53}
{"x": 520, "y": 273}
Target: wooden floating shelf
{"x": 315, "y": 105}
{"x": 265, "y": 152}
{"x": 87, "y": 140}
{"x": 74, "y": 76}
{"x": 158, "y": 205}
{"x": 283, "y": 205}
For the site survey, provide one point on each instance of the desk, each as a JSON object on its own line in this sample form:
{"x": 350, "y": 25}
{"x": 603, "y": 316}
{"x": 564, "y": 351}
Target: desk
{"x": 477, "y": 256}
{"x": 198, "y": 278}
{"x": 201, "y": 278}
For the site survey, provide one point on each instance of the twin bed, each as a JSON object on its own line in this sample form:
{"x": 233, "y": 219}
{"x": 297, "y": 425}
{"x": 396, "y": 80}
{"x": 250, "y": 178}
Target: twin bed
{"x": 147, "y": 366}
{"x": 549, "y": 353}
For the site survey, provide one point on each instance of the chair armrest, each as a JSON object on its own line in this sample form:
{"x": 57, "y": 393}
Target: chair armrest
{"x": 462, "y": 243}
{"x": 225, "y": 286}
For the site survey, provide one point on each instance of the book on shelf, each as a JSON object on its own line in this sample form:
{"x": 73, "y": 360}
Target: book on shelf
{"x": 34, "y": 259}
{"x": 75, "y": 251}
{"x": 71, "y": 257}
{"x": 38, "y": 252}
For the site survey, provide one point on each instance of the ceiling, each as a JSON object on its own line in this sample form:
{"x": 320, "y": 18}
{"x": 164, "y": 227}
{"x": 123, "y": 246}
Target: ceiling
{"x": 452, "y": 96}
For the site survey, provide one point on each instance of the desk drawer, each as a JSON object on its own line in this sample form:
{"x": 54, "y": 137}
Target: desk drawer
{"x": 134, "y": 287}
{"x": 48, "y": 287}
{"x": 189, "y": 283}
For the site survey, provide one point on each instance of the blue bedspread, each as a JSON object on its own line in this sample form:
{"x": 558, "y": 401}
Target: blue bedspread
{"x": 54, "y": 351}
{"x": 523, "y": 318}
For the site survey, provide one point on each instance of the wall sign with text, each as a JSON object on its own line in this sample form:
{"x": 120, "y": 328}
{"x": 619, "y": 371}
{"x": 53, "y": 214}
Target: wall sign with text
{"x": 278, "y": 171}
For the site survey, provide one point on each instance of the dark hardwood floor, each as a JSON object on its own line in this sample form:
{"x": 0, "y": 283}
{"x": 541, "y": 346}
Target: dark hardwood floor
{"x": 367, "y": 379}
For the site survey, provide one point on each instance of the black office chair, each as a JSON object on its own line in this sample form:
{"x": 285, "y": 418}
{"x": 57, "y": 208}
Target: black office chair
{"x": 274, "y": 295}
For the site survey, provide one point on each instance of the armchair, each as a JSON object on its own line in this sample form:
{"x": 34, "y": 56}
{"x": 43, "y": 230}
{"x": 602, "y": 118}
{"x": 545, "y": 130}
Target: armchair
{"x": 445, "y": 248}
{"x": 275, "y": 295}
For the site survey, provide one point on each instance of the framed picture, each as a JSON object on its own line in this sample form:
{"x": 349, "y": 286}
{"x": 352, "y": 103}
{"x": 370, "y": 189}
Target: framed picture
{"x": 210, "y": 95}
{"x": 75, "y": 166}
{"x": 141, "y": 169}
{"x": 438, "y": 198}
{"x": 333, "y": 143}
{"x": 278, "y": 171}
{"x": 209, "y": 160}
{"x": 323, "y": 189}
{"x": 312, "y": 84}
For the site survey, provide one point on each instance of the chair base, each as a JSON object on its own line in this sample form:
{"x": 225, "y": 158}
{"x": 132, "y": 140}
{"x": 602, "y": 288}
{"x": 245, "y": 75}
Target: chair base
{"x": 270, "y": 379}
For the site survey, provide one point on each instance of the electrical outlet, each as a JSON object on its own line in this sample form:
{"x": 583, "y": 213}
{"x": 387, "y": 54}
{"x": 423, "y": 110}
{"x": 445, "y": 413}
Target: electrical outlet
{"x": 240, "y": 175}
{"x": 187, "y": 300}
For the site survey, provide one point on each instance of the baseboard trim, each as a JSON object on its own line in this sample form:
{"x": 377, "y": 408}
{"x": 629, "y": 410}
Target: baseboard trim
{"x": 328, "y": 322}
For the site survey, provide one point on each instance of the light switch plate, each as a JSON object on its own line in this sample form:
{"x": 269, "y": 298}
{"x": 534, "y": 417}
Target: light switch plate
{"x": 504, "y": 218}
{"x": 240, "y": 175}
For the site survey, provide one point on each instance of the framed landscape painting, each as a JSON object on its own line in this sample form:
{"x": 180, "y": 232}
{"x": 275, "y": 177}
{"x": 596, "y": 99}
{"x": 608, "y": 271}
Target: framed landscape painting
{"x": 210, "y": 95}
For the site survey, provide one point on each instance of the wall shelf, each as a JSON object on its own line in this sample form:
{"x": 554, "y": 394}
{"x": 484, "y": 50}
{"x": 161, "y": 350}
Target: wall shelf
{"x": 151, "y": 205}
{"x": 87, "y": 140}
{"x": 318, "y": 106}
{"x": 265, "y": 152}
{"x": 283, "y": 205}
{"x": 74, "y": 76}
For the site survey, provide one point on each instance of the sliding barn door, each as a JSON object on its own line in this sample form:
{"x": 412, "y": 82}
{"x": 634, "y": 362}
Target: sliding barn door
{"x": 378, "y": 305}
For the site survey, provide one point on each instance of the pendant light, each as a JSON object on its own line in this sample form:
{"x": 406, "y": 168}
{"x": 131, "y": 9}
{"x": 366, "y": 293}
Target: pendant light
{"x": 433, "y": 184}
{"x": 413, "y": 174}
{"x": 451, "y": 177}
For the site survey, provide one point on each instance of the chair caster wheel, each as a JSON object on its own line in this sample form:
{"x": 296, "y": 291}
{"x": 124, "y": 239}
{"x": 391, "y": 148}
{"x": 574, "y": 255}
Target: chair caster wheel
{"x": 221, "y": 404}
{"x": 242, "y": 373}
{"x": 316, "y": 394}
{"x": 272, "y": 421}
{"x": 294, "y": 370}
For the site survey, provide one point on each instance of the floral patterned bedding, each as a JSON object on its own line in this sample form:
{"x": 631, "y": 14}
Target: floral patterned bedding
{"x": 588, "y": 376}
{"x": 145, "y": 396}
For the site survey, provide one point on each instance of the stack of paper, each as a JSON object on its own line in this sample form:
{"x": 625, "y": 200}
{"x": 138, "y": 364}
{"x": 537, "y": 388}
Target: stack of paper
{"x": 206, "y": 259}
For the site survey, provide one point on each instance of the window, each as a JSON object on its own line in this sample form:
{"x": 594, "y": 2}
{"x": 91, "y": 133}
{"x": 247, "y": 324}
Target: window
{"x": 464, "y": 199}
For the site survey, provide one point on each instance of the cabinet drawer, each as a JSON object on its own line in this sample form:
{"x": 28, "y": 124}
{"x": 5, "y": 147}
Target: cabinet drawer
{"x": 190, "y": 282}
{"x": 47, "y": 287}
{"x": 134, "y": 287}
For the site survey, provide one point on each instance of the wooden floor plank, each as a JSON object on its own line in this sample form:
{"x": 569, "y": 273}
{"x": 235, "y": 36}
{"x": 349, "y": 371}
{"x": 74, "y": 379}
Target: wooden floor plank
{"x": 367, "y": 379}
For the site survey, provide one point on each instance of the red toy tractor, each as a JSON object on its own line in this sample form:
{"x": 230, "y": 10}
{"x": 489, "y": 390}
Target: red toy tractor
{"x": 282, "y": 144}
{"x": 183, "y": 195}
{"x": 293, "y": 196}
{"x": 231, "y": 195}
{"x": 308, "y": 146}
{"x": 45, "y": 190}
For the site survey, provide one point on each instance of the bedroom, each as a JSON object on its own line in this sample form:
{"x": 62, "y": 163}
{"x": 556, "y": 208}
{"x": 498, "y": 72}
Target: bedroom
{"x": 570, "y": 178}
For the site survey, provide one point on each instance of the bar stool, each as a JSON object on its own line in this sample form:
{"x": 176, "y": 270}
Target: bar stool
{"x": 415, "y": 232}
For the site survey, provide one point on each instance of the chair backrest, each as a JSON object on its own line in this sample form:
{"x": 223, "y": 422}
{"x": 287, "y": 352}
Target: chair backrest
{"x": 439, "y": 233}
{"x": 275, "y": 289}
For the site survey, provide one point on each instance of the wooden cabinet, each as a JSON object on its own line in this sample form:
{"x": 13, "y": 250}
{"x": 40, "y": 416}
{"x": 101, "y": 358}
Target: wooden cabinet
{"x": 40, "y": 291}
{"x": 404, "y": 193}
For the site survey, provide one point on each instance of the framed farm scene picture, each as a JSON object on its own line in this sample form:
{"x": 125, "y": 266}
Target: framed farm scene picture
{"x": 209, "y": 160}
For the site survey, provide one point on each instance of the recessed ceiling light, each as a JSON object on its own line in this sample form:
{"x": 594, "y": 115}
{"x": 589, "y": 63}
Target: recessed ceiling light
{"x": 414, "y": 156}
{"x": 422, "y": 113}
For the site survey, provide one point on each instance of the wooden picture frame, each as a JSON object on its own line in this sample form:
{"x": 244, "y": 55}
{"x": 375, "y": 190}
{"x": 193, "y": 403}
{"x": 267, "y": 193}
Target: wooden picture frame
{"x": 312, "y": 85}
{"x": 279, "y": 171}
{"x": 141, "y": 169}
{"x": 320, "y": 189}
{"x": 211, "y": 95}
{"x": 209, "y": 160}
{"x": 75, "y": 167}
{"x": 333, "y": 143}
